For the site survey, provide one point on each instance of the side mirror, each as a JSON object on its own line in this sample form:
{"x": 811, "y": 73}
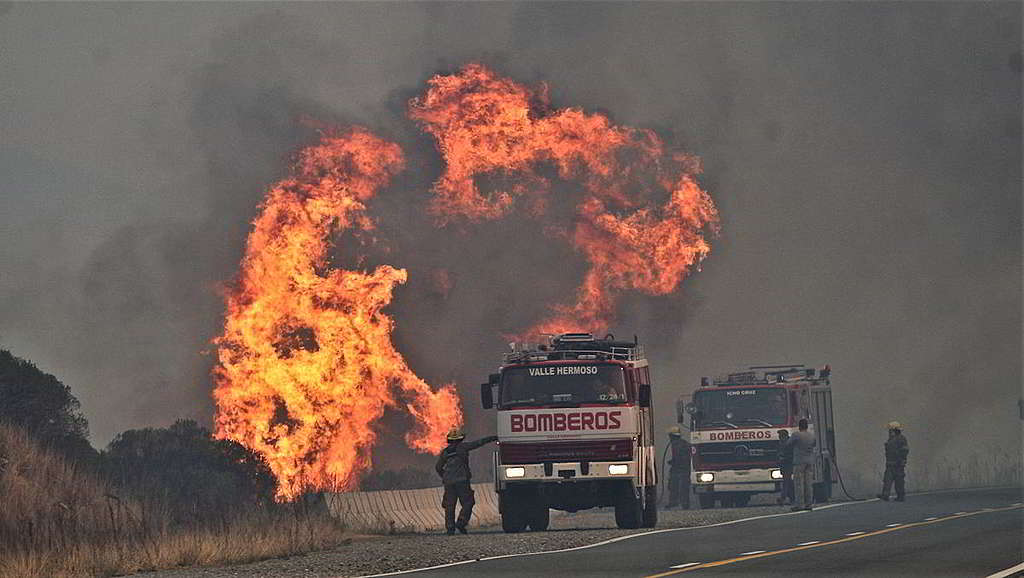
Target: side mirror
{"x": 486, "y": 395}
{"x": 691, "y": 408}
{"x": 643, "y": 395}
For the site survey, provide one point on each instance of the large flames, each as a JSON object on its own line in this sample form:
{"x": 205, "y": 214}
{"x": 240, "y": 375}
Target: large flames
{"x": 487, "y": 125}
{"x": 306, "y": 365}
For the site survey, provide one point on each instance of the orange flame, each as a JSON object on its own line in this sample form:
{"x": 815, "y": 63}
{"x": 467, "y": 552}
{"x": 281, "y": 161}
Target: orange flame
{"x": 488, "y": 125}
{"x": 305, "y": 363}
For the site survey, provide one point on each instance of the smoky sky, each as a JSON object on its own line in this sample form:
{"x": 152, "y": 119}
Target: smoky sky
{"x": 865, "y": 159}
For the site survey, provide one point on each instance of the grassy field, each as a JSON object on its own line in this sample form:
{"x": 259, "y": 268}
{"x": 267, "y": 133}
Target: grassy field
{"x": 58, "y": 520}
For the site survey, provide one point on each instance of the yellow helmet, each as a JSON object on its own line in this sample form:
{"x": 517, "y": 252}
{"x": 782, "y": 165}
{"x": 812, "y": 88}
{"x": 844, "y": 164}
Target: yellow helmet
{"x": 895, "y": 425}
{"x": 455, "y": 434}
{"x": 674, "y": 431}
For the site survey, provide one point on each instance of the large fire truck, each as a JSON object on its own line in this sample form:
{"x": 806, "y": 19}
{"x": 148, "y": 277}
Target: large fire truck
{"x": 734, "y": 424}
{"x": 575, "y": 431}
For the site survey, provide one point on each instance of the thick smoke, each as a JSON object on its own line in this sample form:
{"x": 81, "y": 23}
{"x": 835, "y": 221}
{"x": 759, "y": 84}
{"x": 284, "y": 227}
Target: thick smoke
{"x": 865, "y": 159}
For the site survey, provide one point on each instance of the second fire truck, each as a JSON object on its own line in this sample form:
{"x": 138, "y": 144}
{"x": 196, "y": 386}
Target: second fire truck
{"x": 734, "y": 431}
{"x": 574, "y": 431}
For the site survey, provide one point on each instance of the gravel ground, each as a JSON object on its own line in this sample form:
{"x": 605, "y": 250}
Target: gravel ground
{"x": 377, "y": 554}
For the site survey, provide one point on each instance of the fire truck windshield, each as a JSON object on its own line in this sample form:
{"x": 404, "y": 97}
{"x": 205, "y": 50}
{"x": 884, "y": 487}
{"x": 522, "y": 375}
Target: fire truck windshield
{"x": 562, "y": 385}
{"x": 739, "y": 408}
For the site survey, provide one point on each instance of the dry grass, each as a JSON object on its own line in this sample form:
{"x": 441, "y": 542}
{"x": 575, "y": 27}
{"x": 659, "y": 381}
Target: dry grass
{"x": 57, "y": 520}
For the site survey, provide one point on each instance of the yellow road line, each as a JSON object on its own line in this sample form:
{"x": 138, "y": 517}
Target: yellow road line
{"x": 831, "y": 542}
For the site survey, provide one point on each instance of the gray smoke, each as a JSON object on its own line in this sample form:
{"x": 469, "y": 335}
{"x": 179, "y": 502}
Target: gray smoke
{"x": 865, "y": 159}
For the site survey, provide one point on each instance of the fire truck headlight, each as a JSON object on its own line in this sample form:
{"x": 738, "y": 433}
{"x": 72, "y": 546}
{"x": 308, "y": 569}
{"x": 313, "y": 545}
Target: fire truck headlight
{"x": 618, "y": 469}
{"x": 705, "y": 477}
{"x": 776, "y": 474}
{"x": 515, "y": 472}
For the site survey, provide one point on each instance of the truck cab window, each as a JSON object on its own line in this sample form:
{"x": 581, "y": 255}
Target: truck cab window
{"x": 739, "y": 408}
{"x": 563, "y": 384}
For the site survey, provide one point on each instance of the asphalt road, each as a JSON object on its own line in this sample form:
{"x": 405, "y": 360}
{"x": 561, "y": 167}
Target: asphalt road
{"x": 961, "y": 533}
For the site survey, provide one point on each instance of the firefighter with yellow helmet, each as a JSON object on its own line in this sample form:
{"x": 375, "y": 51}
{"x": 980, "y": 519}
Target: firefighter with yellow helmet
{"x": 679, "y": 470}
{"x": 896, "y": 452}
{"x": 453, "y": 467}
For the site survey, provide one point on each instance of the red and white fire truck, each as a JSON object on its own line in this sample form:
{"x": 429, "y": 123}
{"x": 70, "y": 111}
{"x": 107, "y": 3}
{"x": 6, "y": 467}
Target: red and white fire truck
{"x": 575, "y": 431}
{"x": 734, "y": 431}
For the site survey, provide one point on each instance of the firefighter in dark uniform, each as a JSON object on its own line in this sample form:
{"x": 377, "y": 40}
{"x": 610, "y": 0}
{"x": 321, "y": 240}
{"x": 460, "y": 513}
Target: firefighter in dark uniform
{"x": 453, "y": 467}
{"x": 788, "y": 493}
{"x": 679, "y": 470}
{"x": 896, "y": 452}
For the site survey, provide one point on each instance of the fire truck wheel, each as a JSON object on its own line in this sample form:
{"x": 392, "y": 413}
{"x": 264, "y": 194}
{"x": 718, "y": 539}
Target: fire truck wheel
{"x": 821, "y": 492}
{"x": 628, "y": 510}
{"x": 707, "y": 501}
{"x": 539, "y": 517}
{"x": 513, "y": 515}
{"x": 651, "y": 507}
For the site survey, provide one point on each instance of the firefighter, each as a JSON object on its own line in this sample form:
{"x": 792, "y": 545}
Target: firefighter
{"x": 453, "y": 467}
{"x": 896, "y": 452}
{"x": 679, "y": 470}
{"x": 786, "y": 496}
{"x": 802, "y": 445}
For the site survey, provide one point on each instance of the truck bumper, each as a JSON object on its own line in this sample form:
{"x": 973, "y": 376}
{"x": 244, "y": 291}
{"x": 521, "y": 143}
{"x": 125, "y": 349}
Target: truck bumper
{"x": 753, "y": 481}
{"x": 565, "y": 472}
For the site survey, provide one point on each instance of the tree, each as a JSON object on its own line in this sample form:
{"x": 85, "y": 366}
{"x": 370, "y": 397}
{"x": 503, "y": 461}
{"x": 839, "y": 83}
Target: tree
{"x": 189, "y": 471}
{"x": 43, "y": 406}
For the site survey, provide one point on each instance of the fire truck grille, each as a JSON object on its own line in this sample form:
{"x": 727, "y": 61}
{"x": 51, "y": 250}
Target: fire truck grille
{"x": 575, "y": 451}
{"x": 732, "y": 452}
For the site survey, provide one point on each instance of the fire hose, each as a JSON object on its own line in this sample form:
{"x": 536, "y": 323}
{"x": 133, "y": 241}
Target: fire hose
{"x": 842, "y": 485}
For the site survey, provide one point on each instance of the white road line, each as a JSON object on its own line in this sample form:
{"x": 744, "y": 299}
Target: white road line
{"x": 652, "y": 532}
{"x": 809, "y": 543}
{"x": 958, "y": 513}
{"x": 932, "y": 518}
{"x": 687, "y": 565}
{"x": 751, "y": 553}
{"x": 893, "y": 525}
{"x": 855, "y": 533}
{"x": 1008, "y": 571}
{"x": 425, "y": 569}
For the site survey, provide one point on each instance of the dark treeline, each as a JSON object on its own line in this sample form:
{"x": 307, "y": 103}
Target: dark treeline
{"x": 183, "y": 467}
{"x": 44, "y": 408}
{"x": 154, "y": 498}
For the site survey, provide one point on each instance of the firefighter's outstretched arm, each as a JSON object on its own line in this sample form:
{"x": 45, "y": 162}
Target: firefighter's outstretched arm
{"x": 477, "y": 443}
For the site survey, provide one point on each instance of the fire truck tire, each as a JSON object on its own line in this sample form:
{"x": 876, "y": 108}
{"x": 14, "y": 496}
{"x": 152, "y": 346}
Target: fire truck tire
{"x": 822, "y": 492}
{"x": 513, "y": 515}
{"x": 539, "y": 518}
{"x": 707, "y": 501}
{"x": 651, "y": 507}
{"x": 629, "y": 510}
{"x": 823, "y": 489}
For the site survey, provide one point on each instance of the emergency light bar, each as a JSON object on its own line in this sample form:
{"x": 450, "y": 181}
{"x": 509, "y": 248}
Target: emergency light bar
{"x": 571, "y": 346}
{"x": 782, "y": 374}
